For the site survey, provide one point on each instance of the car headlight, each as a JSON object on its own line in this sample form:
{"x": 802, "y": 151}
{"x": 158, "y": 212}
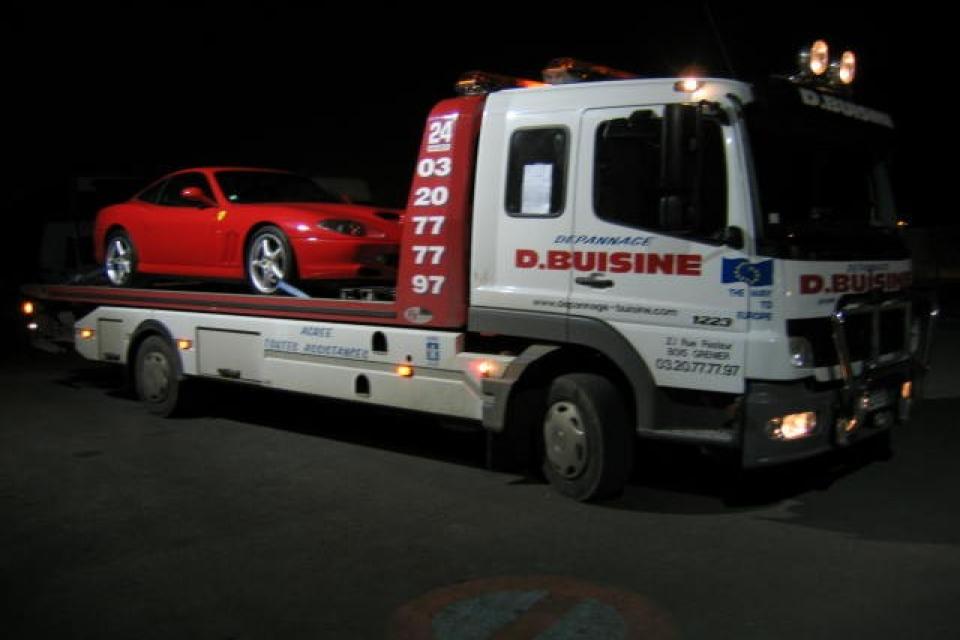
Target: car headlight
{"x": 346, "y": 227}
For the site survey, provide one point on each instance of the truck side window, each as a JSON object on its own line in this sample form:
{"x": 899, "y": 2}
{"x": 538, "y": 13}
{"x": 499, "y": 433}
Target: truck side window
{"x": 662, "y": 173}
{"x": 536, "y": 172}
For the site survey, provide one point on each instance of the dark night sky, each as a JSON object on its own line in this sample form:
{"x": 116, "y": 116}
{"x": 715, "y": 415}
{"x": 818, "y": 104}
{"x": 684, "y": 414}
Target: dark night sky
{"x": 137, "y": 93}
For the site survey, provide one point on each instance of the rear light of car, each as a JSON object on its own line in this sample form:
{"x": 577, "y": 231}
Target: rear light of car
{"x": 346, "y": 227}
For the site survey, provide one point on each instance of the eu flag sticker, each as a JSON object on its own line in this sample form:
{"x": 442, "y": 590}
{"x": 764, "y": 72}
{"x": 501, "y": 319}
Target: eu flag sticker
{"x": 758, "y": 274}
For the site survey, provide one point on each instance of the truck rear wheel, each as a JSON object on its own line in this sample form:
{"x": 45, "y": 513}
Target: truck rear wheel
{"x": 588, "y": 442}
{"x": 157, "y": 376}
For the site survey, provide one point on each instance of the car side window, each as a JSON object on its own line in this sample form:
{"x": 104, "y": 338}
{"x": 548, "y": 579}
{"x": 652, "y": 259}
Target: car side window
{"x": 170, "y": 195}
{"x": 152, "y": 193}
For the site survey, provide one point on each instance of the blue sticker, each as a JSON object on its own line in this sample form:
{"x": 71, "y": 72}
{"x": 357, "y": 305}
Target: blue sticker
{"x": 433, "y": 349}
{"x": 757, "y": 274}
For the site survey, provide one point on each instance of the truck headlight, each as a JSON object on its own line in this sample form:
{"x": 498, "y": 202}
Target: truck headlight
{"x": 792, "y": 426}
{"x": 801, "y": 352}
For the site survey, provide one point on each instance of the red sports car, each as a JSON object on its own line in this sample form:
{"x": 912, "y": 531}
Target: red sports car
{"x": 263, "y": 225}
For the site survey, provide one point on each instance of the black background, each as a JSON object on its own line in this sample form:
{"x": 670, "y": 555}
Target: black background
{"x": 140, "y": 91}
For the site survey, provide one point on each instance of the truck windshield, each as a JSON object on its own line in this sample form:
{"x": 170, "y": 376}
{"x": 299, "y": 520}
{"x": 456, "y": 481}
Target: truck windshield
{"x": 243, "y": 187}
{"x": 822, "y": 176}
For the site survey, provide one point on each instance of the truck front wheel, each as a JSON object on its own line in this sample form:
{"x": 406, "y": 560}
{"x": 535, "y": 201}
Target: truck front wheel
{"x": 588, "y": 442}
{"x": 157, "y": 376}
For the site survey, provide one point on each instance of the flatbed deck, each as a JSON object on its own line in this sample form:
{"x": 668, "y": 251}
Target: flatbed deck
{"x": 327, "y": 309}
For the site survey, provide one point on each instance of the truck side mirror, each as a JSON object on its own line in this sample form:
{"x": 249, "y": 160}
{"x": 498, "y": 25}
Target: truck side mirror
{"x": 671, "y": 213}
{"x": 733, "y": 237}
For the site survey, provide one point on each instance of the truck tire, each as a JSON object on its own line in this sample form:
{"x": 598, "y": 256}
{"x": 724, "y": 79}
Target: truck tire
{"x": 587, "y": 438}
{"x": 156, "y": 377}
{"x": 120, "y": 259}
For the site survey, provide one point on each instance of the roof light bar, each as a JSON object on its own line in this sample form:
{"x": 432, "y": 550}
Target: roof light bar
{"x": 475, "y": 83}
{"x": 569, "y": 70}
{"x": 846, "y": 68}
{"x": 817, "y": 68}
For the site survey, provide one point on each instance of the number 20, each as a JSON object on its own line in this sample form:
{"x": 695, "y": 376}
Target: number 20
{"x": 427, "y": 197}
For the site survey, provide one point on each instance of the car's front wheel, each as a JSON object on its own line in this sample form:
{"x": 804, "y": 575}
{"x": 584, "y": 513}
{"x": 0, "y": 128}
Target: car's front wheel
{"x": 269, "y": 260}
{"x": 120, "y": 259}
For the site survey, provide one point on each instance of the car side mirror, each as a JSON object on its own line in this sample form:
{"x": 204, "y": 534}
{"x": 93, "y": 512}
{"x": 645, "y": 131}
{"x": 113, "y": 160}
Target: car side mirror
{"x": 194, "y": 194}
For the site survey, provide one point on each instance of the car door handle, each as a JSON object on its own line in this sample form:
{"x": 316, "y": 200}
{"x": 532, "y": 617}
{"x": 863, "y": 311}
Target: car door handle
{"x": 595, "y": 280}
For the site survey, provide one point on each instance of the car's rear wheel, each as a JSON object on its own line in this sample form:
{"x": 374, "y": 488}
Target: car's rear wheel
{"x": 269, "y": 260}
{"x": 120, "y": 259}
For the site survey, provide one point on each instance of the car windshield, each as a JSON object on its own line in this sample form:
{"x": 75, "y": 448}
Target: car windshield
{"x": 243, "y": 187}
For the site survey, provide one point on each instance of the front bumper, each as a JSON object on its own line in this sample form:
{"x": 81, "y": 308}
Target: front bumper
{"x": 323, "y": 259}
{"x": 844, "y": 417}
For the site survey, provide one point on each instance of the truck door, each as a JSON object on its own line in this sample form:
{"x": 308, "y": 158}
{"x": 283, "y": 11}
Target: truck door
{"x": 521, "y": 231}
{"x": 651, "y": 245}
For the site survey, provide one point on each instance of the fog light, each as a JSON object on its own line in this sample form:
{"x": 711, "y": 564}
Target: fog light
{"x": 792, "y": 426}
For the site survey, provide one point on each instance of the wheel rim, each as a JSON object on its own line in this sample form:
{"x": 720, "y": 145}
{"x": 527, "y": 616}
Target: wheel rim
{"x": 119, "y": 260}
{"x": 565, "y": 439}
{"x": 155, "y": 377}
{"x": 268, "y": 261}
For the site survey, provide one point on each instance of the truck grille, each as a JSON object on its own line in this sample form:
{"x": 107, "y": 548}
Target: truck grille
{"x": 871, "y": 334}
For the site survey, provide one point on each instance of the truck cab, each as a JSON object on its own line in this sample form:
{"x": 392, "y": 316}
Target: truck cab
{"x": 740, "y": 239}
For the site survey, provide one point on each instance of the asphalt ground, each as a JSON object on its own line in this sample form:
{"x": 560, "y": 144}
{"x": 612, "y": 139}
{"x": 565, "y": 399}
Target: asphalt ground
{"x": 271, "y": 515}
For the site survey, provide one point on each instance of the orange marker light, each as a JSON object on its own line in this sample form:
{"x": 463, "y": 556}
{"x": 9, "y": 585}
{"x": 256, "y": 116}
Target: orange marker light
{"x": 86, "y": 334}
{"x": 28, "y": 308}
{"x": 405, "y": 370}
{"x": 184, "y": 345}
{"x": 688, "y": 85}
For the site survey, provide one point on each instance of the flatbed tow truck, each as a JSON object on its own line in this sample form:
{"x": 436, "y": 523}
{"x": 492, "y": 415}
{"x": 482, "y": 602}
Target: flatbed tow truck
{"x": 589, "y": 259}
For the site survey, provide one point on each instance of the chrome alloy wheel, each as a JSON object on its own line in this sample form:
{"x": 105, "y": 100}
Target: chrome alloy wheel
{"x": 119, "y": 260}
{"x": 565, "y": 440}
{"x": 268, "y": 262}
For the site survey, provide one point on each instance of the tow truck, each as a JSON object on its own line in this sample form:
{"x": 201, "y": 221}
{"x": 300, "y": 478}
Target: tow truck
{"x": 591, "y": 259}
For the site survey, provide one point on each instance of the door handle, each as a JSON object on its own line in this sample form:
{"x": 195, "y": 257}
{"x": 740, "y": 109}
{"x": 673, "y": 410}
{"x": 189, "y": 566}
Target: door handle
{"x": 595, "y": 280}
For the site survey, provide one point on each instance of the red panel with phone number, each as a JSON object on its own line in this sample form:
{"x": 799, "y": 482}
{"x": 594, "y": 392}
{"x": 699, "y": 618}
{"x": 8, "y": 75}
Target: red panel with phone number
{"x": 432, "y": 281}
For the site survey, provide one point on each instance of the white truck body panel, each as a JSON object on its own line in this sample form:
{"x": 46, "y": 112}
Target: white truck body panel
{"x": 318, "y": 358}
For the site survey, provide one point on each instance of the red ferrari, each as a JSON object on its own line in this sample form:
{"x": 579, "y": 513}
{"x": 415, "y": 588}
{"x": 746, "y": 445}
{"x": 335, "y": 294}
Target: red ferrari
{"x": 261, "y": 225}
